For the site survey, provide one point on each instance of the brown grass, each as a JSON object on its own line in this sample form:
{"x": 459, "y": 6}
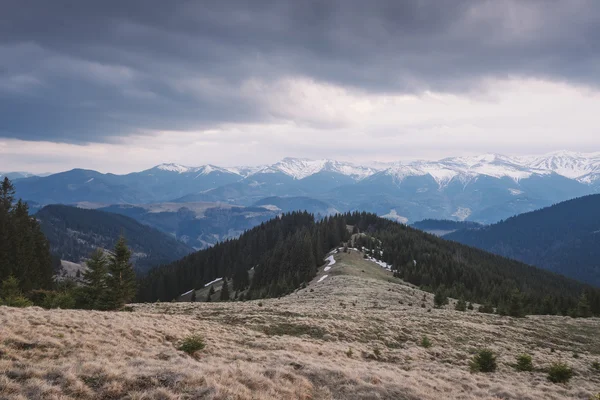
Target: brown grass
{"x": 292, "y": 348}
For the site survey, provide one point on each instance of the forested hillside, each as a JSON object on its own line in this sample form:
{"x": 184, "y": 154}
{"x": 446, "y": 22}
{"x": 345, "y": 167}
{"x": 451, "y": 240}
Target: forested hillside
{"x": 75, "y": 232}
{"x": 24, "y": 253}
{"x": 286, "y": 252}
{"x": 564, "y": 238}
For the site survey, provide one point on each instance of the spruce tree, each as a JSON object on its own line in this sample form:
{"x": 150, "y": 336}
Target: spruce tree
{"x": 121, "y": 280}
{"x": 224, "y": 291}
{"x": 461, "y": 305}
{"x": 94, "y": 279}
{"x": 583, "y": 307}
{"x": 193, "y": 297}
{"x": 515, "y": 306}
{"x": 440, "y": 299}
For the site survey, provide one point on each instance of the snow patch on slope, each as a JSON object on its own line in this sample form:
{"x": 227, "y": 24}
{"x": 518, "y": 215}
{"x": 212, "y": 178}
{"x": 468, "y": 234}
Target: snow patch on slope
{"x": 331, "y": 262}
{"x": 462, "y": 213}
{"x": 394, "y": 216}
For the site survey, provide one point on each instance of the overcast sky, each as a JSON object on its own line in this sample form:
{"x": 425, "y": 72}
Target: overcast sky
{"x": 123, "y": 85}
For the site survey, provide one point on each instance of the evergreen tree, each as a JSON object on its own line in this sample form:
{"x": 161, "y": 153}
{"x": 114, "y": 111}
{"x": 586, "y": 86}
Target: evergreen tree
{"x": 121, "y": 279}
{"x": 193, "y": 297}
{"x": 224, "y": 291}
{"x": 461, "y": 305}
{"x": 515, "y": 306}
{"x": 95, "y": 279}
{"x": 583, "y": 307}
{"x": 470, "y": 306}
{"x": 440, "y": 299}
{"x": 10, "y": 294}
{"x": 24, "y": 251}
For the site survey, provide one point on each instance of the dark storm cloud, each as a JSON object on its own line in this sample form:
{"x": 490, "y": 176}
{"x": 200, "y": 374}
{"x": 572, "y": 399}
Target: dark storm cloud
{"x": 78, "y": 71}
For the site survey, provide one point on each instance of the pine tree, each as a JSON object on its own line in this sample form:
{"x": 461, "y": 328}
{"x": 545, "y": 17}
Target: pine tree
{"x": 10, "y": 294}
{"x": 224, "y": 291}
{"x": 461, "y": 305}
{"x": 211, "y": 291}
{"x": 193, "y": 297}
{"x": 121, "y": 280}
{"x": 515, "y": 306}
{"x": 583, "y": 307}
{"x": 440, "y": 299}
{"x": 95, "y": 279}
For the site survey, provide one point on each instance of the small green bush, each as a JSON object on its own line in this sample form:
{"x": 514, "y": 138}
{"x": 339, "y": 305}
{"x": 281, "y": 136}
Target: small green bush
{"x": 524, "y": 363}
{"x": 560, "y": 373}
{"x": 596, "y": 366}
{"x": 192, "y": 344}
{"x": 349, "y": 353}
{"x": 425, "y": 342}
{"x": 484, "y": 361}
{"x": 377, "y": 352}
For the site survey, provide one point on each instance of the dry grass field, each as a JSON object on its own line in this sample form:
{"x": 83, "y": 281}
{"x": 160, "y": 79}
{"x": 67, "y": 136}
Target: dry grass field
{"x": 354, "y": 335}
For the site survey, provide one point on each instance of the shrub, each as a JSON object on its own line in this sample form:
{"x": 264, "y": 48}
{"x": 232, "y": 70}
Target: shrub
{"x": 425, "y": 342}
{"x": 560, "y": 373}
{"x": 486, "y": 308}
{"x": 192, "y": 344}
{"x": 461, "y": 305}
{"x": 484, "y": 361}
{"x": 377, "y": 352}
{"x": 524, "y": 363}
{"x": 349, "y": 353}
{"x": 596, "y": 366}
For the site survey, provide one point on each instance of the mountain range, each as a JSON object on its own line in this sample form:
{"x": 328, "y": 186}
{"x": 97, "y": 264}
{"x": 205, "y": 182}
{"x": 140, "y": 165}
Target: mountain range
{"x": 484, "y": 188}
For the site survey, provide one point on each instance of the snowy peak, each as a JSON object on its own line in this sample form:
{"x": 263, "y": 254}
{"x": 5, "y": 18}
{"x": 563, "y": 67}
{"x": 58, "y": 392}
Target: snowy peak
{"x": 568, "y": 164}
{"x": 300, "y": 168}
{"x": 173, "y": 168}
{"x": 584, "y": 168}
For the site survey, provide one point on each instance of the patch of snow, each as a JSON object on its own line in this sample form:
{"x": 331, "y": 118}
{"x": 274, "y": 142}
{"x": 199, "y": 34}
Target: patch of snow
{"x": 382, "y": 264}
{"x": 321, "y": 279}
{"x": 271, "y": 207}
{"x": 331, "y": 262}
{"x": 188, "y": 292}
{"x": 211, "y": 282}
{"x": 89, "y": 180}
{"x": 394, "y": 216}
{"x": 515, "y": 192}
{"x": 173, "y": 168}
{"x": 462, "y": 213}
{"x": 255, "y": 184}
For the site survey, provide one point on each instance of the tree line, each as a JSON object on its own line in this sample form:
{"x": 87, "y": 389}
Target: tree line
{"x": 459, "y": 271}
{"x": 27, "y": 268}
{"x": 281, "y": 255}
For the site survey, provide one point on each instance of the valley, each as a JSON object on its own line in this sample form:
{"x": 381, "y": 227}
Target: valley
{"x": 357, "y": 334}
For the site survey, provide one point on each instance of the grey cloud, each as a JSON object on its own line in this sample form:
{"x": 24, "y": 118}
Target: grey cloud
{"x": 79, "y": 71}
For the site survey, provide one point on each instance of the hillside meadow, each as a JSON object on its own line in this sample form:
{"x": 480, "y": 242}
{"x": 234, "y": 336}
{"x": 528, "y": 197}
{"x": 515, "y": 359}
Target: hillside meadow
{"x": 356, "y": 334}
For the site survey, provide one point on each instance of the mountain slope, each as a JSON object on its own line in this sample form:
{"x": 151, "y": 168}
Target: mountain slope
{"x": 355, "y": 335}
{"x": 198, "y": 225}
{"x": 74, "y": 233}
{"x": 284, "y": 254}
{"x": 564, "y": 238}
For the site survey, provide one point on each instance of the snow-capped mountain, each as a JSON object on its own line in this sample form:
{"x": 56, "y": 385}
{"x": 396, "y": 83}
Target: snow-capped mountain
{"x": 300, "y": 168}
{"x": 584, "y": 168}
{"x": 482, "y": 188}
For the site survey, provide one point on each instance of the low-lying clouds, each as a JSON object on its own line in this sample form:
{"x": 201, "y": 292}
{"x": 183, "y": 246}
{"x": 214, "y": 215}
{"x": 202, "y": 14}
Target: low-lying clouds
{"x": 229, "y": 82}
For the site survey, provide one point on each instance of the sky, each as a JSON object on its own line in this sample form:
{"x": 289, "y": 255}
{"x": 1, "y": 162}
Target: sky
{"x": 120, "y": 86}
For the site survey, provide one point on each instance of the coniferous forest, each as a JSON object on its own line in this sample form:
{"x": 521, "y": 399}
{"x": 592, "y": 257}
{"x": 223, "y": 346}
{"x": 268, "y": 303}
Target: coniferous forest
{"x": 27, "y": 268}
{"x": 285, "y": 253}
{"x": 24, "y": 250}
